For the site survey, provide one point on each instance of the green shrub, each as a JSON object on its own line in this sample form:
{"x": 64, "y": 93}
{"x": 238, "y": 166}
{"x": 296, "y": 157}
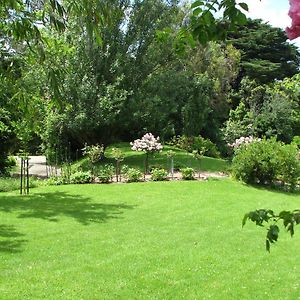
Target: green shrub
{"x": 159, "y": 174}
{"x": 57, "y": 180}
{"x": 95, "y": 153}
{"x": 265, "y": 162}
{"x": 133, "y": 175}
{"x": 105, "y": 173}
{"x": 187, "y": 173}
{"x": 288, "y": 170}
{"x": 8, "y": 184}
{"x": 81, "y": 177}
{"x": 197, "y": 143}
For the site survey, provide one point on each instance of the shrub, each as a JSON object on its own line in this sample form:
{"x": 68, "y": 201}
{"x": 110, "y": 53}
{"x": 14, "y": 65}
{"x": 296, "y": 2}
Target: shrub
{"x": 8, "y": 184}
{"x": 187, "y": 173}
{"x": 198, "y": 143}
{"x": 159, "y": 174}
{"x": 81, "y": 177}
{"x": 57, "y": 180}
{"x": 265, "y": 162}
{"x": 105, "y": 174}
{"x": 133, "y": 175}
{"x": 94, "y": 152}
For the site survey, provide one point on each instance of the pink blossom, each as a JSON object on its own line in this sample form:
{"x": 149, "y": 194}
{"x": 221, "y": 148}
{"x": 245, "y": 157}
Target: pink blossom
{"x": 294, "y": 12}
{"x": 148, "y": 143}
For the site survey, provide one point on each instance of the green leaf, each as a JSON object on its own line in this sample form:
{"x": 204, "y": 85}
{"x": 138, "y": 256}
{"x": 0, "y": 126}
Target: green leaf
{"x": 244, "y": 6}
{"x": 196, "y": 4}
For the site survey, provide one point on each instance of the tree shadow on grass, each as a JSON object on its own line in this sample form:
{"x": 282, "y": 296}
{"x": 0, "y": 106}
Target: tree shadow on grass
{"x": 8, "y": 241}
{"x": 51, "y": 206}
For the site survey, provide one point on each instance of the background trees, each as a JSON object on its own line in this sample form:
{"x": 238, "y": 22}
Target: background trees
{"x": 97, "y": 72}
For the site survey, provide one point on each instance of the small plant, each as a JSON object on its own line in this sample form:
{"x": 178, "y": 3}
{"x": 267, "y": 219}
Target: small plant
{"x": 105, "y": 174}
{"x": 95, "y": 153}
{"x": 118, "y": 155}
{"x": 56, "y": 180}
{"x": 81, "y": 177}
{"x": 133, "y": 175}
{"x": 159, "y": 174}
{"x": 187, "y": 173}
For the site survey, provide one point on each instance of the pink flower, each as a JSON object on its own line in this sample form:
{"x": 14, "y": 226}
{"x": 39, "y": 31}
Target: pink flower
{"x": 294, "y": 12}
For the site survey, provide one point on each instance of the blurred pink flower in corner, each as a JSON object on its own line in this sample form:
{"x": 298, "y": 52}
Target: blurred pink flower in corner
{"x": 294, "y": 12}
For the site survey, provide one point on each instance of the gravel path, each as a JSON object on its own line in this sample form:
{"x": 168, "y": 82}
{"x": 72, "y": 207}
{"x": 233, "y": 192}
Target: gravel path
{"x": 37, "y": 165}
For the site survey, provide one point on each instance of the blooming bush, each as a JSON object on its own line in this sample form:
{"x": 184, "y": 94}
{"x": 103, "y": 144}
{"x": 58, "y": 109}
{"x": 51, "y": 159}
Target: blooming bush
{"x": 148, "y": 144}
{"x": 243, "y": 140}
{"x": 94, "y": 152}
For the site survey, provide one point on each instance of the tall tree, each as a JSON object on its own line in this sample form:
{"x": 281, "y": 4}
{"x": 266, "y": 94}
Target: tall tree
{"x": 265, "y": 53}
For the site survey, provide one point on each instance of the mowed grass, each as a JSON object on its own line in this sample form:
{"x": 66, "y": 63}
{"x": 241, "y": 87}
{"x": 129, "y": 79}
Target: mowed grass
{"x": 182, "y": 159}
{"x": 164, "y": 240}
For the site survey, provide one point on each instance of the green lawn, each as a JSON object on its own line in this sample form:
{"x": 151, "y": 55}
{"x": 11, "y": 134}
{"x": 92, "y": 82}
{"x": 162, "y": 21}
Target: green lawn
{"x": 164, "y": 240}
{"x": 182, "y": 159}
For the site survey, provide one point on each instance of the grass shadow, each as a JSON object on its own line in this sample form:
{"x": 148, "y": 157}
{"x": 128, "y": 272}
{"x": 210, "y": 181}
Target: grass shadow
{"x": 8, "y": 241}
{"x": 279, "y": 189}
{"x": 50, "y": 206}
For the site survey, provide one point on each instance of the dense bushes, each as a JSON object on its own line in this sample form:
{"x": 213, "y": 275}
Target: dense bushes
{"x": 196, "y": 143}
{"x": 266, "y": 162}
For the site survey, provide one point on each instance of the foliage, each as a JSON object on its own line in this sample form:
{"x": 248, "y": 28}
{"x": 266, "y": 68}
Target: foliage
{"x": 197, "y": 143}
{"x": 264, "y": 110}
{"x": 94, "y": 152}
{"x": 105, "y": 173}
{"x": 81, "y": 177}
{"x": 256, "y": 41}
{"x": 187, "y": 173}
{"x": 57, "y": 180}
{"x": 265, "y": 162}
{"x": 261, "y": 216}
{"x": 8, "y": 184}
{"x": 296, "y": 141}
{"x": 159, "y": 174}
{"x": 133, "y": 175}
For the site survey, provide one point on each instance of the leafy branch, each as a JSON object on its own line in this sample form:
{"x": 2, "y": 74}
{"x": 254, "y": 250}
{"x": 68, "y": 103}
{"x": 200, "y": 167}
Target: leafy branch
{"x": 263, "y": 216}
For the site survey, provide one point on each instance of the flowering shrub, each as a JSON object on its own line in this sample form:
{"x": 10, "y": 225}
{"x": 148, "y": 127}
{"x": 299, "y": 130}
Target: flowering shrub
{"x": 243, "y": 140}
{"x": 148, "y": 143}
{"x": 294, "y": 12}
{"x": 94, "y": 152}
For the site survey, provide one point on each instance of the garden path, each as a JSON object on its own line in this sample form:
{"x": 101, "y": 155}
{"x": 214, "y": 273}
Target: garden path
{"x": 37, "y": 166}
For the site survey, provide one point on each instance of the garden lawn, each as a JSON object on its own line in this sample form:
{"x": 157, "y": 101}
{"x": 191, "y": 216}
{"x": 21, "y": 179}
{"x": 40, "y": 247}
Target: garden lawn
{"x": 163, "y": 240}
{"x": 182, "y": 159}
